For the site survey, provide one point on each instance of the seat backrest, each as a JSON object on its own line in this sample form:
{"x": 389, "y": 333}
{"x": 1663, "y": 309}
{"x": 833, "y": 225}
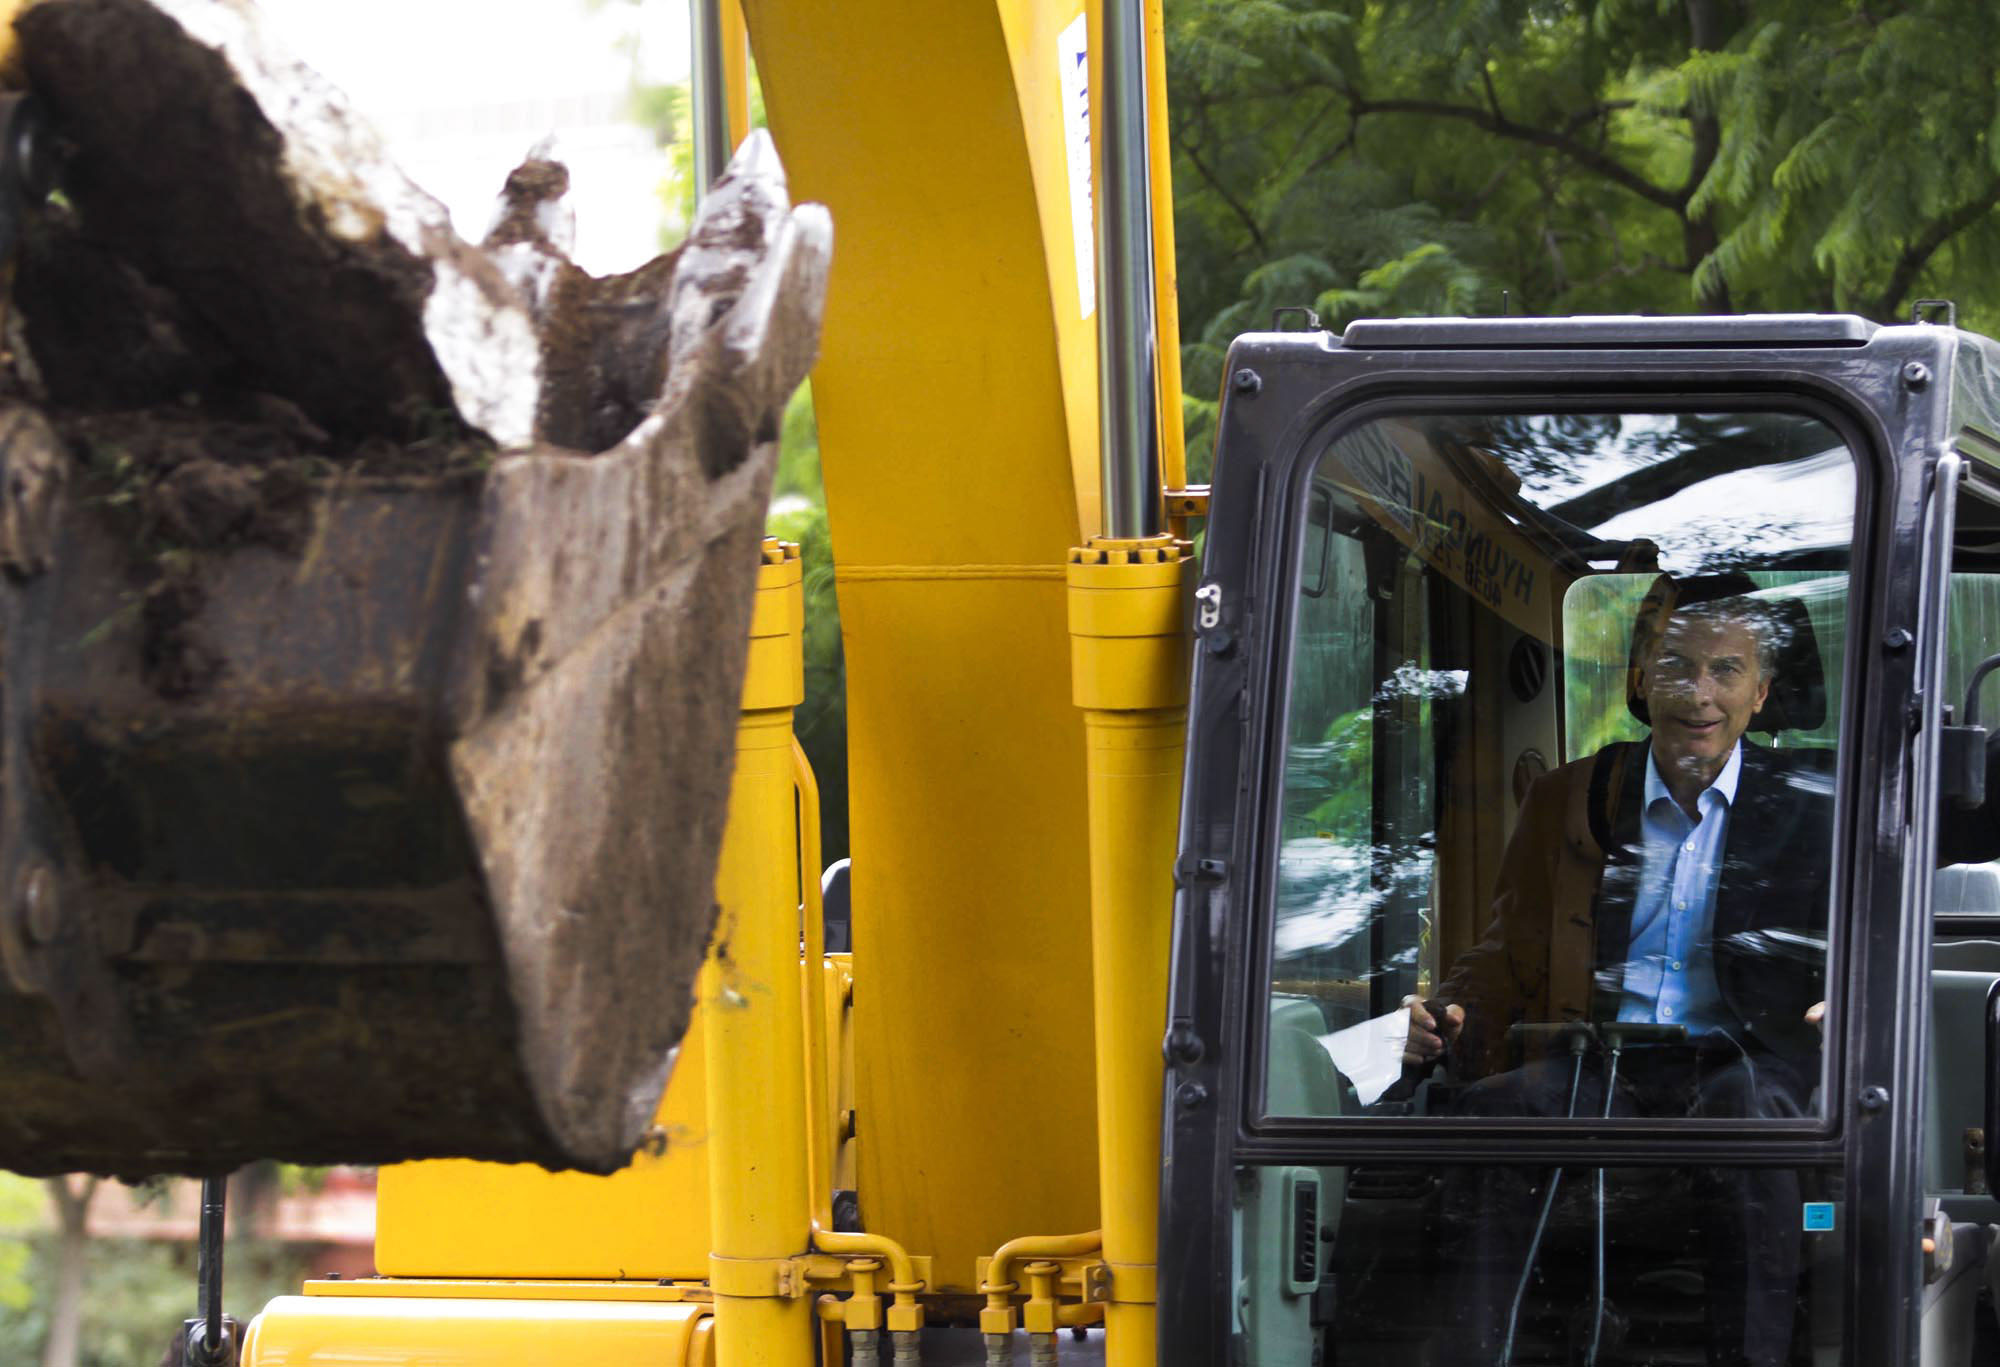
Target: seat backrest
{"x": 1303, "y": 1080}
{"x": 1966, "y": 890}
{"x": 1956, "y": 1085}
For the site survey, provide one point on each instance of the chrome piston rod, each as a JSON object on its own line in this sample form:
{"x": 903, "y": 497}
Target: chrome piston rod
{"x": 1127, "y": 363}
{"x": 708, "y": 94}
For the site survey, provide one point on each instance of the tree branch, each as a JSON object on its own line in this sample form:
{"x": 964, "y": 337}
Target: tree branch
{"x": 1699, "y": 236}
{"x": 1593, "y": 113}
{"x": 1310, "y": 129}
{"x": 1235, "y": 205}
{"x": 72, "y": 1203}
{"x": 1915, "y": 256}
{"x": 1582, "y": 154}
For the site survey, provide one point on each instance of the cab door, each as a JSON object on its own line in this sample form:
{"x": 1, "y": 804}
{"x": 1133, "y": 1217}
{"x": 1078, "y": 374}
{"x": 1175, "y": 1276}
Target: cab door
{"x": 1546, "y": 922}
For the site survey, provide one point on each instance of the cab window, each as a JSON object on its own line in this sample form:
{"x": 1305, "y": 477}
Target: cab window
{"x": 1554, "y": 844}
{"x": 1559, "y": 753}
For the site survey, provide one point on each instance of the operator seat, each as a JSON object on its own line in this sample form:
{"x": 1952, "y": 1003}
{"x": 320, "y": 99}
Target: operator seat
{"x": 1654, "y": 1293}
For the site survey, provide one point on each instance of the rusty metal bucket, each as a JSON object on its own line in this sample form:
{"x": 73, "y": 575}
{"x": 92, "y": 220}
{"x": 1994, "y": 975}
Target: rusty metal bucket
{"x": 423, "y": 864}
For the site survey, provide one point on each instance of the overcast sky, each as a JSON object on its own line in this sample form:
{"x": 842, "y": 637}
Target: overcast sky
{"x": 462, "y": 88}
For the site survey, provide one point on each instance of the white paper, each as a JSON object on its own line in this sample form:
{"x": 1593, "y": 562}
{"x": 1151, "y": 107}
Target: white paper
{"x": 1370, "y": 1054}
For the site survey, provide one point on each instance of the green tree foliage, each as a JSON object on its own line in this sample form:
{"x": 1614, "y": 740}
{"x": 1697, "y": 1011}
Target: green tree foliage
{"x": 136, "y": 1292}
{"x": 139, "y": 1292}
{"x": 20, "y": 1210}
{"x": 1402, "y": 157}
{"x": 664, "y": 109}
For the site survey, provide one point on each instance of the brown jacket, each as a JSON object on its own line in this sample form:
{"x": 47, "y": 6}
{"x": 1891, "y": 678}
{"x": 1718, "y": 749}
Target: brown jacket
{"x": 1556, "y": 948}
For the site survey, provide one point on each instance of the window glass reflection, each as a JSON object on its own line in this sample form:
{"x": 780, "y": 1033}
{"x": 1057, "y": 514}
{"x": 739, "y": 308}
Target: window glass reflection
{"x": 1558, "y": 769}
{"x": 1399, "y": 1266}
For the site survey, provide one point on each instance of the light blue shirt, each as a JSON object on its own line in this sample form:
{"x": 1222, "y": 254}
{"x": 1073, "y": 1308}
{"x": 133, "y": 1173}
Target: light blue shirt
{"x": 1670, "y": 961}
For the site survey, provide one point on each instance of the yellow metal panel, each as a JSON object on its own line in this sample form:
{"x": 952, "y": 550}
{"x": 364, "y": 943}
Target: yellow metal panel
{"x": 1034, "y": 30}
{"x": 1166, "y": 269}
{"x": 971, "y": 1018}
{"x": 839, "y": 974}
{"x": 947, "y": 433}
{"x": 508, "y": 1289}
{"x": 939, "y": 388}
{"x": 461, "y": 1219}
{"x": 390, "y": 1331}
{"x": 735, "y": 71}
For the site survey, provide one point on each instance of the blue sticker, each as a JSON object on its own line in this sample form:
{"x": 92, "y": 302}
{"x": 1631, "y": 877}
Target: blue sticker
{"x": 1819, "y": 1215}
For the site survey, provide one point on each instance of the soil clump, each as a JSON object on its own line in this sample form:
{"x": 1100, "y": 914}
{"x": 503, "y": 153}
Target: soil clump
{"x": 235, "y": 299}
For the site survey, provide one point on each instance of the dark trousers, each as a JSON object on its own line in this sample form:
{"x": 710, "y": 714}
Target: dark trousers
{"x": 1744, "y": 1223}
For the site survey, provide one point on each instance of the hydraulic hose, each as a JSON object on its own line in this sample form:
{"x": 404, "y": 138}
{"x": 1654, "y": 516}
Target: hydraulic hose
{"x": 819, "y": 1177}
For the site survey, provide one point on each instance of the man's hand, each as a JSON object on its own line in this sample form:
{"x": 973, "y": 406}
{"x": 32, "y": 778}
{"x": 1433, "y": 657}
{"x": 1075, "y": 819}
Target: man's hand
{"x": 1429, "y": 1035}
{"x": 1816, "y": 1016}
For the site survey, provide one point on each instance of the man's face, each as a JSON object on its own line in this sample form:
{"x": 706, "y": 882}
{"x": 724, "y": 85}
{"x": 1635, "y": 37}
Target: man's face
{"x": 1702, "y": 689}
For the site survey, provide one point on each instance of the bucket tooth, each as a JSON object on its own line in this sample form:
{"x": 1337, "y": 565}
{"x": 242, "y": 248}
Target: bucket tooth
{"x": 398, "y": 841}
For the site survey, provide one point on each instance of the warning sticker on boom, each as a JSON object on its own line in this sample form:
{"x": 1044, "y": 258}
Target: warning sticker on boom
{"x": 1073, "y": 52}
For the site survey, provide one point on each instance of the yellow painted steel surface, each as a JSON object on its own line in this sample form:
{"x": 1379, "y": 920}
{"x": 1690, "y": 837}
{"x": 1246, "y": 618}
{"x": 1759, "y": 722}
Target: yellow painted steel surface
{"x": 1166, "y": 275}
{"x": 774, "y": 677}
{"x": 462, "y": 1219}
{"x": 1127, "y": 609}
{"x": 752, "y": 1007}
{"x": 393, "y": 1331}
{"x": 509, "y": 1289}
{"x": 955, "y": 457}
{"x": 1039, "y": 36}
{"x": 957, "y": 414}
{"x": 839, "y": 974}
{"x": 735, "y": 71}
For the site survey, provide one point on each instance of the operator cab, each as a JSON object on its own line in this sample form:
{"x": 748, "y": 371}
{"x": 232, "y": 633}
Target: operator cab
{"x": 1557, "y": 976}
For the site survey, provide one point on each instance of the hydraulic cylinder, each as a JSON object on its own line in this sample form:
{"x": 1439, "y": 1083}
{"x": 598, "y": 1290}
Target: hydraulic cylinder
{"x": 750, "y": 1003}
{"x": 1128, "y": 672}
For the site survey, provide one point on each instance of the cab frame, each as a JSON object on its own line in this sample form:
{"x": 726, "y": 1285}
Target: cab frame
{"x": 1890, "y": 392}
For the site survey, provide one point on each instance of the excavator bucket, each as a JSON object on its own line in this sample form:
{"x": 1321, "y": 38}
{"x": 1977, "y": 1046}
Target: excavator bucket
{"x": 392, "y": 835}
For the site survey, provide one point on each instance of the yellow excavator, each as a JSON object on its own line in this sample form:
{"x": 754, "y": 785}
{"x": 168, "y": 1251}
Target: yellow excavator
{"x": 1201, "y": 1003}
